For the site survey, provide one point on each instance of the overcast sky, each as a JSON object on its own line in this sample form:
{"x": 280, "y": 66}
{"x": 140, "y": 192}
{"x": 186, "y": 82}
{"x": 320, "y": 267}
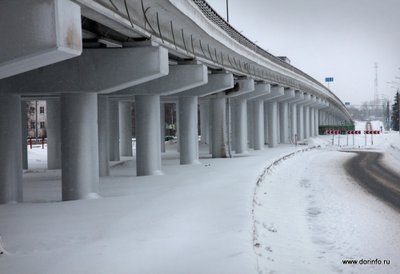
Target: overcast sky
{"x": 338, "y": 38}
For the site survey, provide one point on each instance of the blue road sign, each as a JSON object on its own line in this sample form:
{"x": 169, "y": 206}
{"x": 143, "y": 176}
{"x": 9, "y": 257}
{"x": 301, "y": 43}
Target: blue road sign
{"x": 328, "y": 79}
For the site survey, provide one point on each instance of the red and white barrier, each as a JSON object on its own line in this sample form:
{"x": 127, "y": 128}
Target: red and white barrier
{"x": 372, "y": 132}
{"x": 354, "y": 132}
{"x": 332, "y": 132}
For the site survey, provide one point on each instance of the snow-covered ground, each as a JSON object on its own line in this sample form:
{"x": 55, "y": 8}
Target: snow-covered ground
{"x": 263, "y": 212}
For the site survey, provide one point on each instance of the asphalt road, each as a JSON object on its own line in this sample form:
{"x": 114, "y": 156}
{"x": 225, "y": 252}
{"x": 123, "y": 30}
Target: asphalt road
{"x": 367, "y": 169}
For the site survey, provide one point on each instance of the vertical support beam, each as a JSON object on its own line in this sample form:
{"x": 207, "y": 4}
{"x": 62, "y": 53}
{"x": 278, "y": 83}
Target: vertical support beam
{"x": 148, "y": 143}
{"x": 11, "y": 150}
{"x": 162, "y": 126}
{"x": 258, "y": 124}
{"x": 53, "y": 134}
{"x": 266, "y": 123}
{"x": 204, "y": 122}
{"x": 104, "y": 142}
{"x": 114, "y": 130}
{"x": 306, "y": 122}
{"x": 177, "y": 126}
{"x": 316, "y": 122}
{"x": 79, "y": 146}
{"x": 293, "y": 120}
{"x": 284, "y": 122}
{"x": 24, "y": 130}
{"x": 241, "y": 125}
{"x": 300, "y": 122}
{"x": 312, "y": 121}
{"x": 272, "y": 124}
{"x": 218, "y": 110}
{"x": 125, "y": 128}
{"x": 250, "y": 124}
{"x": 189, "y": 145}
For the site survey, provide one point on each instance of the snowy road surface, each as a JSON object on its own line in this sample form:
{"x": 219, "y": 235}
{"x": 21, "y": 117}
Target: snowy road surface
{"x": 307, "y": 215}
{"x": 368, "y": 170}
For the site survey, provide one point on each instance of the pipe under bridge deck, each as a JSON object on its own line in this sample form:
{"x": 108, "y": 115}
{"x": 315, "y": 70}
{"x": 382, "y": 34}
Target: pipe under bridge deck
{"x": 94, "y": 61}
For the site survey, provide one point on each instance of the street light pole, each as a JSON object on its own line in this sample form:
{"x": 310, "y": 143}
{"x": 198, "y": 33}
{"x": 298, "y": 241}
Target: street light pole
{"x": 227, "y": 11}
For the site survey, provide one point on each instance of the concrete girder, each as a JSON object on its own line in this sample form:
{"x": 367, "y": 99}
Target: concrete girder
{"x": 260, "y": 90}
{"x": 216, "y": 82}
{"x": 241, "y": 87}
{"x": 38, "y": 33}
{"x": 179, "y": 79}
{"x": 96, "y": 70}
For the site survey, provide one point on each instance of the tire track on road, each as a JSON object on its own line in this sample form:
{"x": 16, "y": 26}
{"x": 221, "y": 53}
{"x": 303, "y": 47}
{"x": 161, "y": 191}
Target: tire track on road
{"x": 367, "y": 169}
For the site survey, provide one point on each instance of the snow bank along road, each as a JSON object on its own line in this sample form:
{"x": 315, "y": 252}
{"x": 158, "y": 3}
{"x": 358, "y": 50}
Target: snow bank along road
{"x": 368, "y": 170}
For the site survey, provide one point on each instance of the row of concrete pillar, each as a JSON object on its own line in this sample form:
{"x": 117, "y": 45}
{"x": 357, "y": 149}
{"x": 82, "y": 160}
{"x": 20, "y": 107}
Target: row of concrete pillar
{"x": 82, "y": 148}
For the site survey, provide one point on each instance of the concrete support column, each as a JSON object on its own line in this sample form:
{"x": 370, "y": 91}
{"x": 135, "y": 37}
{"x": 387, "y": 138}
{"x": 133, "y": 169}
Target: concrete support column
{"x": 24, "y": 131}
{"x": 11, "y": 150}
{"x": 204, "y": 122}
{"x": 241, "y": 126}
{"x": 266, "y": 123}
{"x": 53, "y": 134}
{"x": 79, "y": 146}
{"x": 162, "y": 126}
{"x": 272, "y": 124}
{"x": 250, "y": 125}
{"x": 306, "y": 122}
{"x": 300, "y": 122}
{"x": 218, "y": 112}
{"x": 104, "y": 142}
{"x": 312, "y": 121}
{"x": 316, "y": 123}
{"x": 293, "y": 120}
{"x": 284, "y": 122}
{"x": 114, "y": 130}
{"x": 125, "y": 128}
{"x": 148, "y": 143}
{"x": 189, "y": 145}
{"x": 258, "y": 124}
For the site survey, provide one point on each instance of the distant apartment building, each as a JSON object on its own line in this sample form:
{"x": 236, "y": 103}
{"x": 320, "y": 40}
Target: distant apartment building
{"x": 36, "y": 120}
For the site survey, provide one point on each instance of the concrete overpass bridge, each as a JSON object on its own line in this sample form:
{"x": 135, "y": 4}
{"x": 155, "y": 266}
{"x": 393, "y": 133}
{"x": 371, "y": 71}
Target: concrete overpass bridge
{"x": 90, "y": 59}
